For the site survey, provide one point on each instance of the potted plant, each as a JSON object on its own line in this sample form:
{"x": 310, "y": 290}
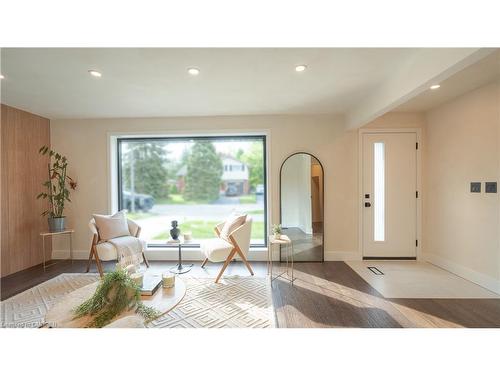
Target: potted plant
{"x": 57, "y": 189}
{"x": 277, "y": 231}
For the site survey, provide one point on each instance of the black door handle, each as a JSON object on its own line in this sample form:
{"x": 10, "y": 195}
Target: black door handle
{"x": 368, "y": 204}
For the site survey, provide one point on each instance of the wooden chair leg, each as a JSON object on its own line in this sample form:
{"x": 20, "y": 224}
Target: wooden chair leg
{"x": 98, "y": 262}
{"x": 90, "y": 259}
{"x": 226, "y": 263}
{"x": 145, "y": 260}
{"x": 204, "y": 262}
{"x": 240, "y": 253}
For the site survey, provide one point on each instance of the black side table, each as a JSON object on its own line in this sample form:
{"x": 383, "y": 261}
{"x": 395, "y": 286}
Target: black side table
{"x": 180, "y": 267}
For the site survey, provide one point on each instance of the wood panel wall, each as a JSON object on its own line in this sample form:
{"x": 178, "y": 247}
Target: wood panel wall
{"x": 23, "y": 170}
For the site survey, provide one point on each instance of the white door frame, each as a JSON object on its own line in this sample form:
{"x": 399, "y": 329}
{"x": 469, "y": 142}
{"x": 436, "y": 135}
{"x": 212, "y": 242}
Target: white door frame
{"x": 418, "y": 133}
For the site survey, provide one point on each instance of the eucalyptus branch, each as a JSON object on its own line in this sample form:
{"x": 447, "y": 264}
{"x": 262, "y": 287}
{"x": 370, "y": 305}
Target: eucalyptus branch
{"x": 115, "y": 294}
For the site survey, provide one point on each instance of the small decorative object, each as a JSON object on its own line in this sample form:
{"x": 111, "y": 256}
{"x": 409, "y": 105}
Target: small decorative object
{"x": 116, "y": 293}
{"x": 168, "y": 279}
{"x": 174, "y": 232}
{"x": 138, "y": 278}
{"x": 277, "y": 231}
{"x": 130, "y": 269}
{"x": 57, "y": 189}
{"x": 188, "y": 236}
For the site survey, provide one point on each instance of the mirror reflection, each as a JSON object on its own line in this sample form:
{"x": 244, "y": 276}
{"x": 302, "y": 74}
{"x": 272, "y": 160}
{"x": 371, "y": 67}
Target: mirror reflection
{"x": 302, "y": 195}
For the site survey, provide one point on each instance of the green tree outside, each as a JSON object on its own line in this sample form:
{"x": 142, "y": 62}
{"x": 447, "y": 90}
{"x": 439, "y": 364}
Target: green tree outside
{"x": 254, "y": 159}
{"x": 204, "y": 172}
{"x": 146, "y": 161}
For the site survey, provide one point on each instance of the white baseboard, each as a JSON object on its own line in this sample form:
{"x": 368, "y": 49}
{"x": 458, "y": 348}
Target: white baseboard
{"x": 256, "y": 255}
{"x": 331, "y": 256}
{"x": 64, "y": 254}
{"x": 479, "y": 278}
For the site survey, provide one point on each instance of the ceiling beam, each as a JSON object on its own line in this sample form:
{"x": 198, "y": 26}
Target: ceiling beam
{"x": 423, "y": 68}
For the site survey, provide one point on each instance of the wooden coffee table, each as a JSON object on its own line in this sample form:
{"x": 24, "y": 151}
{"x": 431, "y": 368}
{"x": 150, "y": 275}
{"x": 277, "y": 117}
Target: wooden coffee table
{"x": 61, "y": 314}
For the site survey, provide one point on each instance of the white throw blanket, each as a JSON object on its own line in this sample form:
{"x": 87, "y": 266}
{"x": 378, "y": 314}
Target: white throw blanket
{"x": 129, "y": 250}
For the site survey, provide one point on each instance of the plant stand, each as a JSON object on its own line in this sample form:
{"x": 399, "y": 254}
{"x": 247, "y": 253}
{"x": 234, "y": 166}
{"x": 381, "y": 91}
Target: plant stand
{"x": 51, "y": 234}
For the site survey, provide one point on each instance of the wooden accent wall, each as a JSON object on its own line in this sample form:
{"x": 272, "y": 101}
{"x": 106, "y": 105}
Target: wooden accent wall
{"x": 23, "y": 170}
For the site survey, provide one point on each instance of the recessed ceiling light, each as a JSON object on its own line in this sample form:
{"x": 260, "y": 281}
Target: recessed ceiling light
{"x": 1, "y": 76}
{"x": 194, "y": 71}
{"x": 95, "y": 73}
{"x": 435, "y": 87}
{"x": 300, "y": 68}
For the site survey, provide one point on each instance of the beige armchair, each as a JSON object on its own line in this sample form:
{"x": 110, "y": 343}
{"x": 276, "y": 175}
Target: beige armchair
{"x": 105, "y": 251}
{"x": 220, "y": 250}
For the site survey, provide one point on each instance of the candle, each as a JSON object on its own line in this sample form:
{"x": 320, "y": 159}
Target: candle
{"x": 188, "y": 236}
{"x": 137, "y": 278}
{"x": 168, "y": 280}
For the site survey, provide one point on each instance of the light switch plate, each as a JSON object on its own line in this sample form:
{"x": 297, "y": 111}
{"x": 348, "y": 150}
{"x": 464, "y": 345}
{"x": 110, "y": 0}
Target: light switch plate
{"x": 475, "y": 187}
{"x": 490, "y": 187}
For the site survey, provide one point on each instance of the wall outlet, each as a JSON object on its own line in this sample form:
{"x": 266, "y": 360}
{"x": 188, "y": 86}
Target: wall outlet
{"x": 475, "y": 187}
{"x": 490, "y": 187}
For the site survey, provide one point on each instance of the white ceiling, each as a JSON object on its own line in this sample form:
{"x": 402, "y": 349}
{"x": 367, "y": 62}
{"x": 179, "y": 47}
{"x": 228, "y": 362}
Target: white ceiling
{"x": 474, "y": 76}
{"x": 154, "y": 82}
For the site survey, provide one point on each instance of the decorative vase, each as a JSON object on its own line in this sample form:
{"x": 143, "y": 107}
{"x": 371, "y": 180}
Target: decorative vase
{"x": 56, "y": 224}
{"x": 277, "y": 236}
{"x": 174, "y": 232}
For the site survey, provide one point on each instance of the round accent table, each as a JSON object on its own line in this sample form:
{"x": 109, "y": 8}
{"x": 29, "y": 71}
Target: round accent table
{"x": 61, "y": 315}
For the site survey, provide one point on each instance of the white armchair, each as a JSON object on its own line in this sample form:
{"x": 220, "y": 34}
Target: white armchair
{"x": 106, "y": 251}
{"x": 220, "y": 250}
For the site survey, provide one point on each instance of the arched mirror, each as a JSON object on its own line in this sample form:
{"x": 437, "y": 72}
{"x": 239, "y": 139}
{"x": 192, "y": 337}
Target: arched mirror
{"x": 302, "y": 195}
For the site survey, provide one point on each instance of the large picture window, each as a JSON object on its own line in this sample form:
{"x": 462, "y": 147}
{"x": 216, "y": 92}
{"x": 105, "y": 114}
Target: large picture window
{"x": 198, "y": 181}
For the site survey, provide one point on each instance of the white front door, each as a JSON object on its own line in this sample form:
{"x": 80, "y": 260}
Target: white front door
{"x": 389, "y": 196}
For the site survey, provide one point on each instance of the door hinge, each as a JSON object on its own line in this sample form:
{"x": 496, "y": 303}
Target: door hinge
{"x": 416, "y": 243}
{"x": 416, "y": 146}
{"x": 416, "y": 194}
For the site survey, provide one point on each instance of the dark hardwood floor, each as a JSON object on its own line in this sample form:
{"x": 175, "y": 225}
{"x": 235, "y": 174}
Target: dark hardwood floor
{"x": 326, "y": 294}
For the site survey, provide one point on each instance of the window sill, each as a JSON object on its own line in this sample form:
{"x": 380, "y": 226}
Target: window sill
{"x": 194, "y": 249}
{"x": 194, "y": 253}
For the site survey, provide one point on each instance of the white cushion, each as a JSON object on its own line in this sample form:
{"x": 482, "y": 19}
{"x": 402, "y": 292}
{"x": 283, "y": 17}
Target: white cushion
{"x": 231, "y": 224}
{"x": 112, "y": 226}
{"x": 107, "y": 251}
{"x": 216, "y": 249}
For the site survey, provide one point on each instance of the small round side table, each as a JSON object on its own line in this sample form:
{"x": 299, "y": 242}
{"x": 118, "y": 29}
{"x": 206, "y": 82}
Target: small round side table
{"x": 180, "y": 267}
{"x": 283, "y": 240}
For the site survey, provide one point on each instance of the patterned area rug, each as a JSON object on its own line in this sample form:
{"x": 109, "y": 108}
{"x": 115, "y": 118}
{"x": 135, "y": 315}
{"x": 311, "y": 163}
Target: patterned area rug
{"x": 236, "y": 302}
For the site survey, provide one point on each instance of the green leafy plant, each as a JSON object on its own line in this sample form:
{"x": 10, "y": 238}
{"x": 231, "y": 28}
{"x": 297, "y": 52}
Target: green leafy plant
{"x": 116, "y": 293}
{"x": 57, "y": 184}
{"x": 277, "y": 229}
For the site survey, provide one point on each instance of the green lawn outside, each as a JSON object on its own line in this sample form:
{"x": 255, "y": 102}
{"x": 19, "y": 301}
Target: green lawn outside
{"x": 248, "y": 199}
{"x": 178, "y": 199}
{"x": 205, "y": 229}
{"x": 140, "y": 215}
{"x": 255, "y": 212}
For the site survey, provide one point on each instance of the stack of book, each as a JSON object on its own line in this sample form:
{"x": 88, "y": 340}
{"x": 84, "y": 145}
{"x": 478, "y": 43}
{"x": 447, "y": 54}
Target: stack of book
{"x": 150, "y": 284}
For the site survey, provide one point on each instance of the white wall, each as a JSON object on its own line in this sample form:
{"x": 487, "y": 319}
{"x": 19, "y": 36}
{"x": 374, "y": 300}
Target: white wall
{"x": 85, "y": 143}
{"x": 296, "y": 207}
{"x": 461, "y": 229}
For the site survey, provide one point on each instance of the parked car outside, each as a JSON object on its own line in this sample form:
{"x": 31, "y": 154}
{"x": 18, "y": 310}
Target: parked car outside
{"x": 143, "y": 202}
{"x": 231, "y": 191}
{"x": 259, "y": 189}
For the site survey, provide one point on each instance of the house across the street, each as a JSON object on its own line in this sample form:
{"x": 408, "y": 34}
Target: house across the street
{"x": 234, "y": 180}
